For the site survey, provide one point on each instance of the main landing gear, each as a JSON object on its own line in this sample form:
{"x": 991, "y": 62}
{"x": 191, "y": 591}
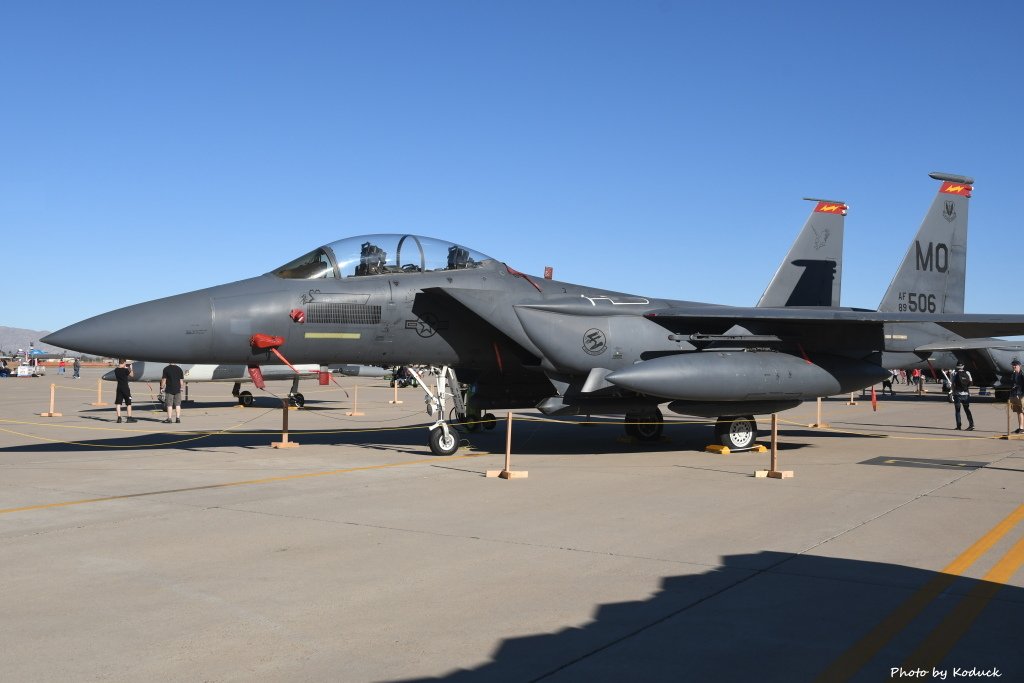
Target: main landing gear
{"x": 736, "y": 432}
{"x": 443, "y": 440}
{"x": 245, "y": 398}
{"x": 645, "y": 426}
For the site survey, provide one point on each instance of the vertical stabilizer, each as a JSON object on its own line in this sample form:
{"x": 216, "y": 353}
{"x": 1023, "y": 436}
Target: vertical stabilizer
{"x": 933, "y": 275}
{"x": 811, "y": 273}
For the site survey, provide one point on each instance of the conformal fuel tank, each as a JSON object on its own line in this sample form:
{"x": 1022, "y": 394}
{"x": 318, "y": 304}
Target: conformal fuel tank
{"x": 746, "y": 376}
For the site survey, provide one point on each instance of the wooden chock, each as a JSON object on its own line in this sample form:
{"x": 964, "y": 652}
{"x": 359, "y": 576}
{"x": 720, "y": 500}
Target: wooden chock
{"x": 53, "y": 396}
{"x": 507, "y": 473}
{"x": 99, "y": 393}
{"x": 818, "y": 424}
{"x": 284, "y": 442}
{"x": 355, "y": 403}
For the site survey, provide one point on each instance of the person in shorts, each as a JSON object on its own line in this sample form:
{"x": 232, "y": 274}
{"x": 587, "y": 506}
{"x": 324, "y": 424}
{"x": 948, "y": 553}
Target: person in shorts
{"x": 1017, "y": 394}
{"x": 170, "y": 385}
{"x": 122, "y": 373}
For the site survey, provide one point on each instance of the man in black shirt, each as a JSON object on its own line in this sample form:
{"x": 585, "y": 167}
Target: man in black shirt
{"x": 122, "y": 373}
{"x": 1017, "y": 394}
{"x": 170, "y": 384}
{"x": 961, "y": 388}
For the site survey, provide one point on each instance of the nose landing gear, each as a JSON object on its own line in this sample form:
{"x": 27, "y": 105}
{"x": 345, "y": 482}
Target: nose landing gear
{"x": 443, "y": 439}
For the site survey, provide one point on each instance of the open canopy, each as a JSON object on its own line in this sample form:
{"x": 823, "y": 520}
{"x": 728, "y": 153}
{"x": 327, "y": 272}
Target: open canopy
{"x": 366, "y": 255}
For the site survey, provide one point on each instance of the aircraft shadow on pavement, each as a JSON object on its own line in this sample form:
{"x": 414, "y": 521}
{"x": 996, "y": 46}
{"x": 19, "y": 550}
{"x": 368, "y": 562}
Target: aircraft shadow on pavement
{"x": 773, "y": 616}
{"x": 529, "y": 438}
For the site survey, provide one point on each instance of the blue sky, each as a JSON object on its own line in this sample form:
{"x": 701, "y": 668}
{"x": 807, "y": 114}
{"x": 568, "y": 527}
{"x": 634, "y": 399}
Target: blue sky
{"x": 660, "y": 148}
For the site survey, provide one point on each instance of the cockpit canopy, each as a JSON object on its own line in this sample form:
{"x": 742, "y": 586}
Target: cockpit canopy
{"x": 380, "y": 255}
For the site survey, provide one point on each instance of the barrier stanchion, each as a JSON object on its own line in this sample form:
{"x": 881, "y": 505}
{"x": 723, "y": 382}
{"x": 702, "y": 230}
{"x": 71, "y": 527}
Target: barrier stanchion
{"x": 851, "y": 402}
{"x": 819, "y": 424}
{"x": 1010, "y": 432}
{"x": 52, "y": 413}
{"x": 355, "y": 403}
{"x": 774, "y": 472}
{"x": 395, "y": 402}
{"x": 99, "y": 394}
{"x": 507, "y": 473}
{"x": 284, "y": 442}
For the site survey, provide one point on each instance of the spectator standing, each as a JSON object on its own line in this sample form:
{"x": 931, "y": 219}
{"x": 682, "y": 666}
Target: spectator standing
{"x": 961, "y": 387}
{"x": 123, "y": 395}
{"x": 1017, "y": 395}
{"x": 171, "y": 384}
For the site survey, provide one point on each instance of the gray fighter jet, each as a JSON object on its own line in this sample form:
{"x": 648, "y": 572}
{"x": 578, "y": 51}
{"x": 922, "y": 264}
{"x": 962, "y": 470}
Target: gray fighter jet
{"x": 514, "y": 339}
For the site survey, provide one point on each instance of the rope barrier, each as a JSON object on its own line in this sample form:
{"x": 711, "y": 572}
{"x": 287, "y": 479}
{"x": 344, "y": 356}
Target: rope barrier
{"x": 539, "y": 419}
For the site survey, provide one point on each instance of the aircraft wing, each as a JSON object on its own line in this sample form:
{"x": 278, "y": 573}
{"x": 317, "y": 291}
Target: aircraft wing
{"x": 686, "y": 318}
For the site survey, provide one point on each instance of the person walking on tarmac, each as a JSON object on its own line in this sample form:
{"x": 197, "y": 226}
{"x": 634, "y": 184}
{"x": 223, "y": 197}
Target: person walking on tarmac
{"x": 170, "y": 385}
{"x": 1017, "y": 395}
{"x": 122, "y": 373}
{"x": 961, "y": 388}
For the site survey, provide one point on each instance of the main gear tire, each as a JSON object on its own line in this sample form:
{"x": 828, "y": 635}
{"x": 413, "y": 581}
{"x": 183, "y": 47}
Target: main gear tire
{"x": 736, "y": 432}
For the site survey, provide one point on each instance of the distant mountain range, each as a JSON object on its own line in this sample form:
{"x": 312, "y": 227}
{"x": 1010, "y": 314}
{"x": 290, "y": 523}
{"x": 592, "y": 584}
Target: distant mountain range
{"x": 14, "y": 338}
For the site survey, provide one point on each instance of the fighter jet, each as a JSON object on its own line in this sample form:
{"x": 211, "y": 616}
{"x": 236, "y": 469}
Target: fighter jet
{"x": 239, "y": 374}
{"x": 517, "y": 340}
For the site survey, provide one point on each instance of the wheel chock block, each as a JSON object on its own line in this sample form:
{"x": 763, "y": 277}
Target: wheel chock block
{"x": 508, "y": 474}
{"x": 773, "y": 474}
{"x": 725, "y": 450}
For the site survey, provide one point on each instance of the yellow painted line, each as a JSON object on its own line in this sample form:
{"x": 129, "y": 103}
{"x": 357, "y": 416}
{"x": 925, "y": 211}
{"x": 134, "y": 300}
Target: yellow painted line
{"x": 854, "y": 659}
{"x": 940, "y": 641}
{"x": 247, "y": 482}
{"x": 333, "y": 335}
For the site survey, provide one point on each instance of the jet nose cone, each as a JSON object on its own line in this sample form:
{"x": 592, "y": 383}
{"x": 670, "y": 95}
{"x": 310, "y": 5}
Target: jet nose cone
{"x": 178, "y": 327}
